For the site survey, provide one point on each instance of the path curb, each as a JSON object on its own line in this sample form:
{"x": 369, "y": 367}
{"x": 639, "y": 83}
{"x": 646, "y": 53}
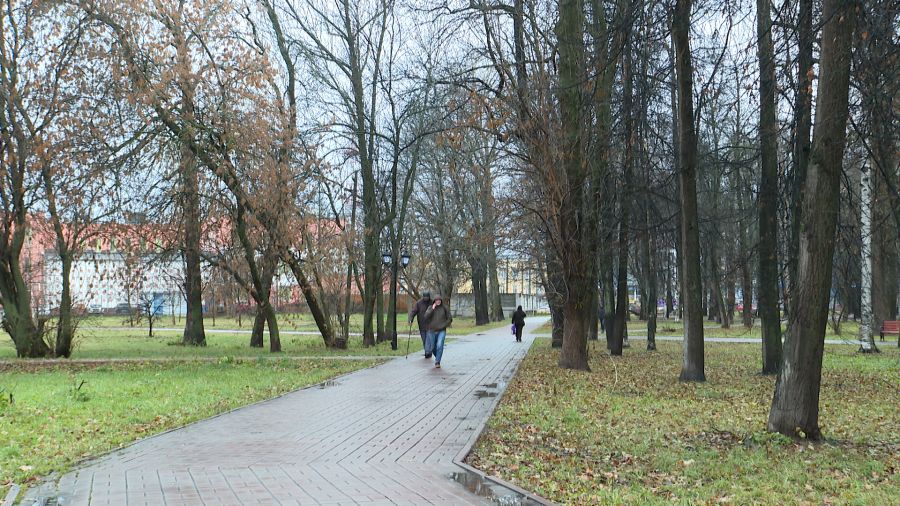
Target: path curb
{"x": 11, "y": 495}
{"x": 514, "y": 492}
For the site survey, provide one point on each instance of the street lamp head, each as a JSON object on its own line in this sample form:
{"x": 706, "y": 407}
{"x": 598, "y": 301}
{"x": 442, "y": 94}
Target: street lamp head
{"x": 386, "y": 258}
{"x": 404, "y": 259}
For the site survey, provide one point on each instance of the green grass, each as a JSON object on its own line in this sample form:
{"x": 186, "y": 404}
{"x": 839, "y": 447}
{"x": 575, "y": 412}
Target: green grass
{"x": 60, "y": 416}
{"x": 105, "y": 337}
{"x": 286, "y": 321}
{"x": 630, "y": 433}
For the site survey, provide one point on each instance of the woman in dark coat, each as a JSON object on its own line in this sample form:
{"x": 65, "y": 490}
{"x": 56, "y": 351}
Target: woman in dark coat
{"x": 518, "y": 319}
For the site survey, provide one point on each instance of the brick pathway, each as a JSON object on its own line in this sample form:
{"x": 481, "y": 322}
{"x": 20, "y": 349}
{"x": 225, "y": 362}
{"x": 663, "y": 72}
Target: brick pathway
{"x": 386, "y": 435}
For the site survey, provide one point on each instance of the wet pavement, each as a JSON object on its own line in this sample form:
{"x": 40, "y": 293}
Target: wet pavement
{"x": 386, "y": 435}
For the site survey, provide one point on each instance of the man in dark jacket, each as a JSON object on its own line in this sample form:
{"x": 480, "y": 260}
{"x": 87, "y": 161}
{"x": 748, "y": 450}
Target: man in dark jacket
{"x": 438, "y": 318}
{"x": 418, "y": 312}
{"x": 518, "y": 319}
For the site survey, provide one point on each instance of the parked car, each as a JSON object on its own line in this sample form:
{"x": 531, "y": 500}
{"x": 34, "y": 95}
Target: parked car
{"x": 95, "y": 309}
{"x": 124, "y": 309}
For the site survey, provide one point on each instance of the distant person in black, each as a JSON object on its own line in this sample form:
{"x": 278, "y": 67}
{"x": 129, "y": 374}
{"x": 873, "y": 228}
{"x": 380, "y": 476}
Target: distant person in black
{"x": 418, "y": 312}
{"x": 601, "y": 315}
{"x": 518, "y": 319}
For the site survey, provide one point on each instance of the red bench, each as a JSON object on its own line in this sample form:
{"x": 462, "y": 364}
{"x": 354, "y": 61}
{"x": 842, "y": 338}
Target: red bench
{"x": 890, "y": 327}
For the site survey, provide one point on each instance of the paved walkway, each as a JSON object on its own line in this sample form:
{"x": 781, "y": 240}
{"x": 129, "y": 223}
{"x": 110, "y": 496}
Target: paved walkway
{"x": 385, "y": 435}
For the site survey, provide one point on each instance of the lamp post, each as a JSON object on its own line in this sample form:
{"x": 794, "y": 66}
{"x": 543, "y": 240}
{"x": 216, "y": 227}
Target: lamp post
{"x": 390, "y": 261}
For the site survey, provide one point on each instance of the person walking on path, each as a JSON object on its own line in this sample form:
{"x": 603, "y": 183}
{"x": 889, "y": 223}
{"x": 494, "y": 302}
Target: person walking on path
{"x": 518, "y": 319}
{"x": 418, "y": 313}
{"x": 438, "y": 318}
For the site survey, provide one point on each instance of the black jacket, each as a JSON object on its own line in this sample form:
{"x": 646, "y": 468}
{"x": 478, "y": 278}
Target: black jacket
{"x": 518, "y": 318}
{"x": 418, "y": 311}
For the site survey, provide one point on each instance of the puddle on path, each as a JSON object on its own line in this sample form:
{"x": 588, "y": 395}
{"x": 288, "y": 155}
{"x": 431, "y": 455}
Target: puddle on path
{"x": 481, "y": 394}
{"x": 497, "y": 494}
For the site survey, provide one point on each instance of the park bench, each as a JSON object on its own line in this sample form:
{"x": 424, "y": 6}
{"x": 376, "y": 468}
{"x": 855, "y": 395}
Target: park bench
{"x": 890, "y": 327}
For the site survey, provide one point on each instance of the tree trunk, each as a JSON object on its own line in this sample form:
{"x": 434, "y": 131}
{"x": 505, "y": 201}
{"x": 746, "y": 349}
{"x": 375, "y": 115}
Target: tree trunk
{"x": 577, "y": 243}
{"x": 746, "y": 273}
{"x": 371, "y": 257}
{"x": 558, "y": 319}
{"x": 747, "y": 294}
{"x": 380, "y": 335}
{"x": 693, "y": 366}
{"x": 802, "y": 127}
{"x": 767, "y": 287}
{"x": 272, "y": 322}
{"x": 866, "y": 341}
{"x": 479, "y": 289}
{"x": 604, "y": 194}
{"x": 65, "y": 330}
{"x": 18, "y": 321}
{"x": 194, "y": 333}
{"x": 670, "y": 303}
{"x": 795, "y": 405}
{"x": 718, "y": 308}
{"x": 496, "y": 310}
{"x": 259, "y": 327}
{"x": 555, "y": 297}
{"x": 323, "y": 322}
{"x": 676, "y": 162}
{"x": 731, "y": 297}
{"x": 619, "y": 329}
{"x": 390, "y": 320}
{"x": 650, "y": 266}
{"x": 574, "y": 346}
{"x": 609, "y": 296}
{"x": 619, "y": 322}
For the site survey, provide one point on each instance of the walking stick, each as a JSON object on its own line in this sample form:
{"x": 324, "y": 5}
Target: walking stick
{"x": 408, "y": 335}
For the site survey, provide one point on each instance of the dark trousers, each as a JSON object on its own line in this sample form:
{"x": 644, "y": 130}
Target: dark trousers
{"x": 424, "y": 335}
{"x": 519, "y": 332}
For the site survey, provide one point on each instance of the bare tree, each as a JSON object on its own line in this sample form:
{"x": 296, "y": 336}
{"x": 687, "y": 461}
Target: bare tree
{"x": 795, "y": 405}
{"x": 769, "y": 313}
{"x": 693, "y": 366}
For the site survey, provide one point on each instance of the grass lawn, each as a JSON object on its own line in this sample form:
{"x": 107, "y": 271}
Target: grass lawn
{"x": 61, "y": 415}
{"x": 104, "y": 337}
{"x": 630, "y": 433}
{"x": 286, "y": 321}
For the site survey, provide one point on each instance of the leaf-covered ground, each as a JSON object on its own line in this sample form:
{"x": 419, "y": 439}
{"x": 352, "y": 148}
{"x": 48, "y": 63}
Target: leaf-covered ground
{"x": 61, "y": 415}
{"x": 630, "y": 433}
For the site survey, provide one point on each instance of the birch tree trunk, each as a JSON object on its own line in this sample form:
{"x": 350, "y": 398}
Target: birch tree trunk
{"x": 866, "y": 342}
